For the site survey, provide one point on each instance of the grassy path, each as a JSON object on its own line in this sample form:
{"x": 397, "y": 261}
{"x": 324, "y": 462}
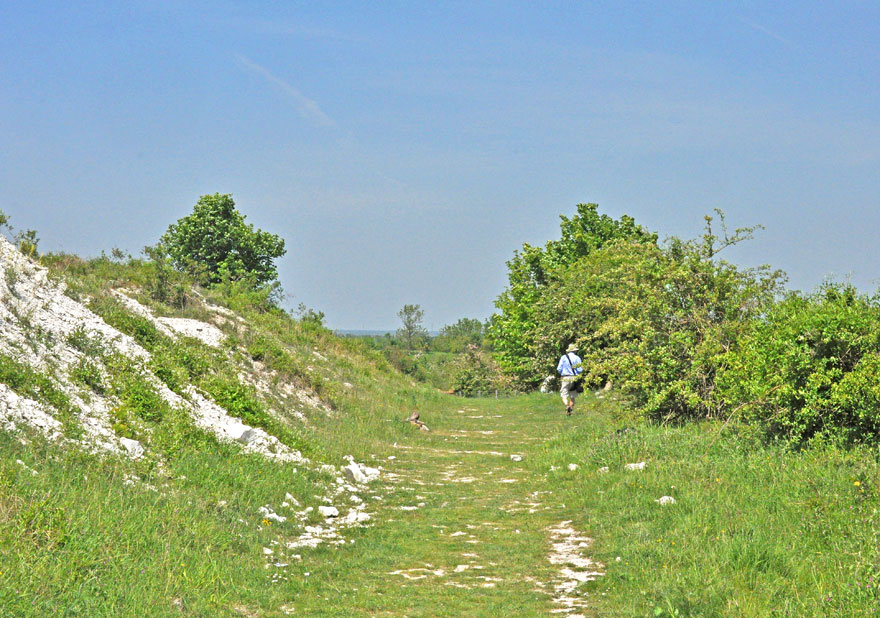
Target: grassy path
{"x": 461, "y": 529}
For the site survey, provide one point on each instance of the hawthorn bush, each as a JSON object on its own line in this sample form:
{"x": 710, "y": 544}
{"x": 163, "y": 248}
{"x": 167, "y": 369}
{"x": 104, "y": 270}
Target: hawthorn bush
{"x": 659, "y": 323}
{"x": 808, "y": 370}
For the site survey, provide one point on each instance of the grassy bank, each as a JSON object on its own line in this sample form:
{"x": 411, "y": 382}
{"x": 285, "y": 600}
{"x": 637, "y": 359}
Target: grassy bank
{"x": 756, "y": 529}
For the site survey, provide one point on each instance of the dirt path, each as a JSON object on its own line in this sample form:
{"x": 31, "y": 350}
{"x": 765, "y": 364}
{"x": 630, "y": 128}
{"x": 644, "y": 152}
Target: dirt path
{"x": 463, "y": 526}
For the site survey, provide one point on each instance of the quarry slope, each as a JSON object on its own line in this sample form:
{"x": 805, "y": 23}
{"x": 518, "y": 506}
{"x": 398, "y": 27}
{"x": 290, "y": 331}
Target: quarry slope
{"x": 40, "y": 327}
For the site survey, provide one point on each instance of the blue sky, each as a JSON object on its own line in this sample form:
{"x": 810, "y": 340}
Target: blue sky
{"x": 404, "y": 150}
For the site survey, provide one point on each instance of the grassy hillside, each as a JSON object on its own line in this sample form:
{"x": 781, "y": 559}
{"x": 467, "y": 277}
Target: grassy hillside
{"x": 100, "y": 533}
{"x": 486, "y": 514}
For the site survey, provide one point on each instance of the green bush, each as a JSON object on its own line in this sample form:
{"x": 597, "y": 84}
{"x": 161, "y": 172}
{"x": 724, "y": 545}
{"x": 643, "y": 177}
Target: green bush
{"x": 659, "y": 323}
{"x": 809, "y": 369}
{"x": 512, "y": 330}
{"x": 475, "y": 373}
{"x": 214, "y": 243}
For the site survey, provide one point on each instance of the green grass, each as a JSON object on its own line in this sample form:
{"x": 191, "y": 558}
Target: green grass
{"x": 77, "y": 541}
{"x": 757, "y": 529}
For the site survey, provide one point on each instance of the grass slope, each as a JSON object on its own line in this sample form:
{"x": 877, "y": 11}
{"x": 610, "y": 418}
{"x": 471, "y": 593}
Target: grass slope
{"x": 459, "y": 529}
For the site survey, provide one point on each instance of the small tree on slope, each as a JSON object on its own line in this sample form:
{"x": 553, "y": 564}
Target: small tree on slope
{"x": 214, "y": 243}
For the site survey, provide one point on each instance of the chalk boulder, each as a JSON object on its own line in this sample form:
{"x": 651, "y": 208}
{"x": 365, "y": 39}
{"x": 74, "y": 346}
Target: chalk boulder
{"x": 132, "y": 447}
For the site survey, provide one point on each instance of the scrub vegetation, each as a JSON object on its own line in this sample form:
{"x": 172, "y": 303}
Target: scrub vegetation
{"x": 685, "y": 335}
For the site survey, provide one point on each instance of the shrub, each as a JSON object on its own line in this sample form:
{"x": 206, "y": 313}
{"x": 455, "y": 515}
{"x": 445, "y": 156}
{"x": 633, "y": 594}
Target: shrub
{"x": 809, "y": 368}
{"x": 660, "y": 323}
{"x": 214, "y": 243}
{"x": 475, "y": 372}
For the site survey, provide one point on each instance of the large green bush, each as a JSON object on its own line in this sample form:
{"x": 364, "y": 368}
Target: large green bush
{"x": 475, "y": 373}
{"x": 658, "y": 323}
{"x": 512, "y": 329}
{"x": 810, "y": 368}
{"x": 215, "y": 244}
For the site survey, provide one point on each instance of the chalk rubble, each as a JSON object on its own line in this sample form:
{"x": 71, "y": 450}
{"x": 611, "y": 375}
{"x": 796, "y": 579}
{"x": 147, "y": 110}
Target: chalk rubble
{"x": 328, "y": 511}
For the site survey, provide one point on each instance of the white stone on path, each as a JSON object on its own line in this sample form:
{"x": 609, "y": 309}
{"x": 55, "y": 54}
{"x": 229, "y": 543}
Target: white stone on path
{"x": 572, "y": 466}
{"x": 268, "y": 513}
{"x": 636, "y": 466}
{"x": 328, "y": 511}
{"x": 516, "y": 458}
{"x": 665, "y": 500}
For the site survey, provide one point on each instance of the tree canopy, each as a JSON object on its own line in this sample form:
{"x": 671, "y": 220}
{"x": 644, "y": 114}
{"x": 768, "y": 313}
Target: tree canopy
{"x": 214, "y": 243}
{"x": 531, "y": 270}
{"x": 412, "y": 334}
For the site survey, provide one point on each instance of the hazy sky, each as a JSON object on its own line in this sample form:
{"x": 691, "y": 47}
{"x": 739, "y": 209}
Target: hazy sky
{"x": 404, "y": 150}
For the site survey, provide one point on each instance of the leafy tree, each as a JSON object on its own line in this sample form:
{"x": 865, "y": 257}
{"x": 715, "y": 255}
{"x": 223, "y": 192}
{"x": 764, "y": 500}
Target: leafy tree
{"x": 214, "y": 243}
{"x": 531, "y": 270}
{"x": 660, "y": 323}
{"x": 412, "y": 334}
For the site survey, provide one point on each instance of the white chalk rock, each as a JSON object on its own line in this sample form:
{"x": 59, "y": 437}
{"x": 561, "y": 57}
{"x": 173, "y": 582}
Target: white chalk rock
{"x": 370, "y": 473}
{"x": 572, "y": 466}
{"x": 603, "y": 470}
{"x": 665, "y": 500}
{"x": 240, "y": 432}
{"x": 132, "y": 447}
{"x": 636, "y": 466}
{"x": 328, "y": 511}
{"x": 353, "y": 473}
{"x": 516, "y": 458}
{"x": 268, "y": 513}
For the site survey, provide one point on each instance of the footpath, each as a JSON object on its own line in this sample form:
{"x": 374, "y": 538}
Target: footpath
{"x": 465, "y": 524}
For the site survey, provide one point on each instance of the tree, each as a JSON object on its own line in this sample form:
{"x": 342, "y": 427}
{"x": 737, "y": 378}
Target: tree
{"x": 214, "y": 243}
{"x": 660, "y": 323}
{"x": 412, "y": 334}
{"x": 531, "y": 270}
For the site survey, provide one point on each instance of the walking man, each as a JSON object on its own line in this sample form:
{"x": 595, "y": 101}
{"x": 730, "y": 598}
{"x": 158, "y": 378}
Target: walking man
{"x": 569, "y": 368}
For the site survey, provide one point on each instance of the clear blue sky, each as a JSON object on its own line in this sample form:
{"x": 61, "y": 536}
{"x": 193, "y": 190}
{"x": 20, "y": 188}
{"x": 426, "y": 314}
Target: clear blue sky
{"x": 405, "y": 150}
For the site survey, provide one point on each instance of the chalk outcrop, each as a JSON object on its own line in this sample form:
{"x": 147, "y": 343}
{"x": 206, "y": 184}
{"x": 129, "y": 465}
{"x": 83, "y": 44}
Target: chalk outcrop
{"x": 38, "y": 323}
